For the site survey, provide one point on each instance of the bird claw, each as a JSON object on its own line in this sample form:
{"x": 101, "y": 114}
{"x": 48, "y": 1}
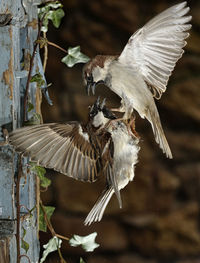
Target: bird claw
{"x": 131, "y": 127}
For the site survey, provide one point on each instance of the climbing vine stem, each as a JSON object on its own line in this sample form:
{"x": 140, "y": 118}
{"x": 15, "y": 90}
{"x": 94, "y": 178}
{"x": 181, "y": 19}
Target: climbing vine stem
{"x": 31, "y": 68}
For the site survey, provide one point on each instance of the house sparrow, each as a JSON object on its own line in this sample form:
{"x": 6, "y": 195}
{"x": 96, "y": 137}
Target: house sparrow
{"x": 71, "y": 148}
{"x": 142, "y": 70}
{"x": 104, "y": 146}
{"x": 124, "y": 159}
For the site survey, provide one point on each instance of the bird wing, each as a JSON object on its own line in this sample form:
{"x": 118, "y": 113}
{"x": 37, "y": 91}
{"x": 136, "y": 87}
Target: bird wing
{"x": 65, "y": 148}
{"x": 155, "y": 48}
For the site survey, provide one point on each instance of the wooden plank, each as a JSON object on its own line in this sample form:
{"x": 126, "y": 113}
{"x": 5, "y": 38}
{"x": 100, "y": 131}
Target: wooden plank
{"x": 6, "y": 75}
{"x": 28, "y": 197}
{"x": 17, "y": 10}
{"x": 8, "y": 249}
{"x": 7, "y": 202}
{"x": 4, "y": 250}
{"x": 16, "y": 44}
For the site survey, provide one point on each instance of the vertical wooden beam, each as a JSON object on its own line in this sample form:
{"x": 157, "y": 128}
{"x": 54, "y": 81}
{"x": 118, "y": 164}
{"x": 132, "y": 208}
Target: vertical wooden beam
{"x": 18, "y": 31}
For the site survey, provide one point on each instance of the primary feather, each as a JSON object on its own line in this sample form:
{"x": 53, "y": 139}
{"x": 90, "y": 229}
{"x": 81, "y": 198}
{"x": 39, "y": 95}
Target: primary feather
{"x": 155, "y": 48}
{"x": 62, "y": 147}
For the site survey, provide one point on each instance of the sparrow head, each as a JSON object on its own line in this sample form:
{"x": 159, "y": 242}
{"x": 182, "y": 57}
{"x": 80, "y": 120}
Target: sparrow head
{"x": 99, "y": 115}
{"x": 95, "y": 71}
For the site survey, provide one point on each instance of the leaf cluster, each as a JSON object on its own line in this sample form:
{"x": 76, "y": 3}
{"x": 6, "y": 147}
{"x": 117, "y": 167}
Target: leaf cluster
{"x": 51, "y": 11}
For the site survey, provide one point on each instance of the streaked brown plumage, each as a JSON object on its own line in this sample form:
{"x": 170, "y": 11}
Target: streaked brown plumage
{"x": 84, "y": 152}
{"x": 71, "y": 148}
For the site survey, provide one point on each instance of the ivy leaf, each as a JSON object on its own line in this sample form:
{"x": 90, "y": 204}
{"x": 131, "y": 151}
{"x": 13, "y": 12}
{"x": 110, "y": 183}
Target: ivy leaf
{"x": 39, "y": 79}
{"x": 40, "y": 171}
{"x": 53, "y": 244}
{"x": 74, "y": 56}
{"x": 54, "y": 5}
{"x": 56, "y": 17}
{"x": 49, "y": 211}
{"x": 24, "y": 244}
{"x": 51, "y": 11}
{"x": 87, "y": 242}
{"x": 30, "y": 106}
{"x": 34, "y": 120}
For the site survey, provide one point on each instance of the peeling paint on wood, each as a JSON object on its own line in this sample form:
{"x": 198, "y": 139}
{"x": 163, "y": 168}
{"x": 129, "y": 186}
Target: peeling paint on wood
{"x": 7, "y": 247}
{"x": 16, "y": 43}
{"x": 5, "y": 19}
{"x": 8, "y": 74}
{"x": 33, "y": 24}
{"x": 4, "y": 250}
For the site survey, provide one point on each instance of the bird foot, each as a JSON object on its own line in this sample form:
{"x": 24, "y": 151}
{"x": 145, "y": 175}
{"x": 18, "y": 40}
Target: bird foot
{"x": 113, "y": 121}
{"x": 131, "y": 127}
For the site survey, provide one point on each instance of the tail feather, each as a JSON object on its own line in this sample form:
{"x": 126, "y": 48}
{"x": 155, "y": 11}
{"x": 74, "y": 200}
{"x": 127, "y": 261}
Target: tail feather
{"x": 98, "y": 209}
{"x": 154, "y": 119}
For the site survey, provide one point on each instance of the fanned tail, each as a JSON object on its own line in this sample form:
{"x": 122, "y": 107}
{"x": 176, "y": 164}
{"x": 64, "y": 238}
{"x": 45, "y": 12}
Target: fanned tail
{"x": 98, "y": 209}
{"x": 154, "y": 119}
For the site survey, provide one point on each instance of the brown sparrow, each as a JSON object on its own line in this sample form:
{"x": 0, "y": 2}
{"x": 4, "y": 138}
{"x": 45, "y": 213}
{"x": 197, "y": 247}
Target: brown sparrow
{"x": 142, "y": 70}
{"x": 104, "y": 146}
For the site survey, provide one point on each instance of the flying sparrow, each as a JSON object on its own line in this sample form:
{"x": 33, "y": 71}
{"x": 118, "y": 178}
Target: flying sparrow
{"x": 123, "y": 159}
{"x": 104, "y": 146}
{"x": 142, "y": 70}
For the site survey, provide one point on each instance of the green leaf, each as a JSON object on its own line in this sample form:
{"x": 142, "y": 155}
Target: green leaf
{"x": 74, "y": 56}
{"x": 87, "y": 242}
{"x": 54, "y": 5}
{"x": 51, "y": 11}
{"x": 56, "y": 17}
{"x": 34, "y": 120}
{"x": 81, "y": 260}
{"x": 40, "y": 171}
{"x": 30, "y": 106}
{"x": 24, "y": 244}
{"x": 39, "y": 79}
{"x": 42, "y": 223}
{"x": 53, "y": 244}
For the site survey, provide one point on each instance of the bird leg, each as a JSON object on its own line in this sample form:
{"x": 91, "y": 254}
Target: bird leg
{"x": 131, "y": 126}
{"x": 110, "y": 122}
{"x": 120, "y": 109}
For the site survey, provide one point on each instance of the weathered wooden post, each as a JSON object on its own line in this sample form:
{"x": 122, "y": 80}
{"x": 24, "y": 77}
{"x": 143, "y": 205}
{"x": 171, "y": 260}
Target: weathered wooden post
{"x": 18, "y": 226}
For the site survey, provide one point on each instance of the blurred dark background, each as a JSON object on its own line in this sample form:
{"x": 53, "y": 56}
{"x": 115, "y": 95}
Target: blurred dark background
{"x": 160, "y": 218}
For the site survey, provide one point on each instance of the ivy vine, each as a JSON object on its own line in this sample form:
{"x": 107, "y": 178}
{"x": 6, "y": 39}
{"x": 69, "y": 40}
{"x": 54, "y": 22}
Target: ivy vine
{"x": 51, "y": 12}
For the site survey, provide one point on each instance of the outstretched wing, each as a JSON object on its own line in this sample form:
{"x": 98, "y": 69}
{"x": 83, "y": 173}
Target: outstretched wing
{"x": 63, "y": 147}
{"x": 155, "y": 48}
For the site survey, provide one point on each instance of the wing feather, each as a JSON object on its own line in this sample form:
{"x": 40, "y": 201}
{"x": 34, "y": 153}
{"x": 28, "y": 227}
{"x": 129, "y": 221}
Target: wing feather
{"x": 154, "y": 49}
{"x": 62, "y": 147}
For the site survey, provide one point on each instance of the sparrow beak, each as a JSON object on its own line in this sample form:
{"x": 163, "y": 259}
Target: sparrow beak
{"x": 92, "y": 86}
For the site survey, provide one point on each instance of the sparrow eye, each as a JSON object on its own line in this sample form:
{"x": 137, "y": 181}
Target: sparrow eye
{"x": 89, "y": 78}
